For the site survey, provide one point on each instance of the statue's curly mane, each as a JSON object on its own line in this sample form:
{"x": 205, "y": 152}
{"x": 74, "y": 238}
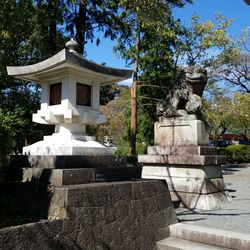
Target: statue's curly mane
{"x": 186, "y": 95}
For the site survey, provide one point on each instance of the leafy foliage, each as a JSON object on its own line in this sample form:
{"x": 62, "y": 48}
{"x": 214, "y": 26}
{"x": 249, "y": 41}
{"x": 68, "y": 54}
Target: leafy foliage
{"x": 145, "y": 40}
{"x": 116, "y": 113}
{"x": 236, "y": 153}
{"x": 17, "y": 106}
{"x": 14, "y": 35}
{"x": 196, "y": 43}
{"x": 218, "y": 115}
{"x": 108, "y": 93}
{"x": 86, "y": 18}
{"x": 233, "y": 67}
{"x": 241, "y": 113}
{"x": 6, "y": 140}
{"x": 227, "y": 113}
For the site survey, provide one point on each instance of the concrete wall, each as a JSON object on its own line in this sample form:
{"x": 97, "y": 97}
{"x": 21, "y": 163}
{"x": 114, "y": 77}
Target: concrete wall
{"x": 116, "y": 215}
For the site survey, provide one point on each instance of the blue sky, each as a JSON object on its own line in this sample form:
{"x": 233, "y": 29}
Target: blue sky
{"x": 236, "y": 9}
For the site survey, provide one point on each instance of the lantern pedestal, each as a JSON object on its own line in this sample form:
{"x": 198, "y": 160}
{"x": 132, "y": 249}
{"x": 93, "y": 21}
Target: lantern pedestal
{"x": 68, "y": 139}
{"x": 49, "y": 146}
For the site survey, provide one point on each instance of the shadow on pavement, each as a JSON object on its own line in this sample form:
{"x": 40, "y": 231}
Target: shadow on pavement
{"x": 231, "y": 168}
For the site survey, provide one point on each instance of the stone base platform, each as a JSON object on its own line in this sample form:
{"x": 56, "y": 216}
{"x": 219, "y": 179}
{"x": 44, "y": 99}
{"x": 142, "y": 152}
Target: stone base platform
{"x": 182, "y": 159}
{"x": 193, "y": 174}
{"x": 66, "y": 161}
{"x": 199, "y": 187}
{"x": 183, "y": 155}
{"x": 70, "y": 170}
{"x": 116, "y": 215}
{"x": 68, "y": 147}
{"x": 61, "y": 177}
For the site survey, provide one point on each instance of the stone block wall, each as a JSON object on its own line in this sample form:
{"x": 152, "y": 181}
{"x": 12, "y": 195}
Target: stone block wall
{"x": 116, "y": 215}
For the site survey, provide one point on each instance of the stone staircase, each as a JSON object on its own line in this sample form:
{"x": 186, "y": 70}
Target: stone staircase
{"x": 191, "y": 237}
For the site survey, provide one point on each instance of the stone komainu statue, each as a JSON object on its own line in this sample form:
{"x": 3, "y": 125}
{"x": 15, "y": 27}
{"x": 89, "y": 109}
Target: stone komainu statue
{"x": 186, "y": 95}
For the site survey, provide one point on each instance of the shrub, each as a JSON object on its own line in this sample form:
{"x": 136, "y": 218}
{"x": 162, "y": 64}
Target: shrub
{"x": 23, "y": 202}
{"x": 236, "y": 153}
{"x": 5, "y": 143}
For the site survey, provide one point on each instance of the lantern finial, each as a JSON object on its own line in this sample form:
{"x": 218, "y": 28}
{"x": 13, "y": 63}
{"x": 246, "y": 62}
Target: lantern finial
{"x": 71, "y": 45}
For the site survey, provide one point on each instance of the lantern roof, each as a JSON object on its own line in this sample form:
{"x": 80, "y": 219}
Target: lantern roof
{"x": 65, "y": 63}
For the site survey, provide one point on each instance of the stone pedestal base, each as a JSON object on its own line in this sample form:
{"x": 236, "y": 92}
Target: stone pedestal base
{"x": 56, "y": 145}
{"x": 185, "y": 130}
{"x": 76, "y": 176}
{"x": 199, "y": 187}
{"x": 193, "y": 174}
{"x": 66, "y": 161}
{"x": 71, "y": 169}
{"x": 69, "y": 139}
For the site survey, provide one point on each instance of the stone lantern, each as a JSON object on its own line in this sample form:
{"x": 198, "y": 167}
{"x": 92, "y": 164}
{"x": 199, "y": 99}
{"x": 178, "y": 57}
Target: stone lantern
{"x": 70, "y": 101}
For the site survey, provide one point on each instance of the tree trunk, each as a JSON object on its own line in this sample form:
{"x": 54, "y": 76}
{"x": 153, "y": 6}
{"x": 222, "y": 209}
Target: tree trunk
{"x": 52, "y": 36}
{"x": 133, "y": 123}
{"x": 80, "y": 25}
{"x": 52, "y": 28}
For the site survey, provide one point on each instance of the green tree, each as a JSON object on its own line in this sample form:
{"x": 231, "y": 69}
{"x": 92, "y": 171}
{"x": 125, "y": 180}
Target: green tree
{"x": 47, "y": 37}
{"x": 233, "y": 64}
{"x": 241, "y": 113}
{"x": 226, "y": 113}
{"x": 115, "y": 130}
{"x": 109, "y": 93}
{"x": 19, "y": 103}
{"x": 85, "y": 19}
{"x": 201, "y": 42}
{"x": 141, "y": 20}
{"x": 25, "y": 41}
{"x": 14, "y": 36}
{"x": 233, "y": 68}
{"x": 115, "y": 112}
{"x": 218, "y": 115}
{"x": 6, "y": 139}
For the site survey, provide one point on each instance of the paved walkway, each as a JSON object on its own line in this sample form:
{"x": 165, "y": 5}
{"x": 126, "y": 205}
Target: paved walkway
{"x": 235, "y": 215}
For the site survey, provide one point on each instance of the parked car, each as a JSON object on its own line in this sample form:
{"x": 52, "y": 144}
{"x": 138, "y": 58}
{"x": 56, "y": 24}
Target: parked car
{"x": 223, "y": 143}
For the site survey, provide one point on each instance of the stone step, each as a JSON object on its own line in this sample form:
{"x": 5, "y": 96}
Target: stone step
{"x": 66, "y": 161}
{"x": 60, "y": 177}
{"x": 189, "y": 172}
{"x": 181, "y": 159}
{"x": 172, "y": 243}
{"x": 181, "y": 150}
{"x": 212, "y": 236}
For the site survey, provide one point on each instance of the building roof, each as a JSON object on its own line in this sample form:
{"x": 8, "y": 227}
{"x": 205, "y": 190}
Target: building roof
{"x": 68, "y": 62}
